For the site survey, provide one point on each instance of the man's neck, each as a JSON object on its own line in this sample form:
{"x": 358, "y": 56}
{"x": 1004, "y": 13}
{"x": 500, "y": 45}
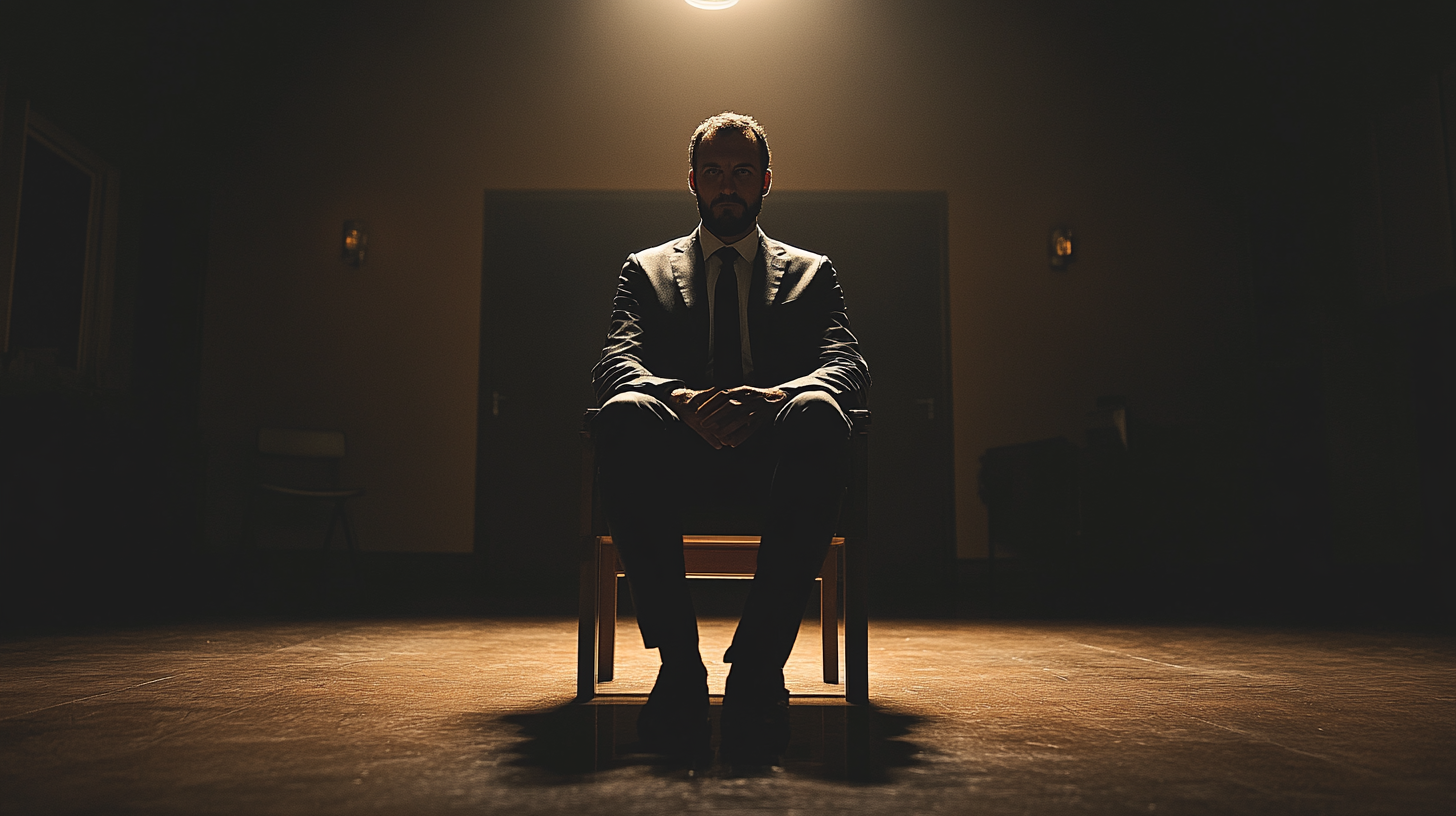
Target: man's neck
{"x": 747, "y": 244}
{"x": 731, "y": 240}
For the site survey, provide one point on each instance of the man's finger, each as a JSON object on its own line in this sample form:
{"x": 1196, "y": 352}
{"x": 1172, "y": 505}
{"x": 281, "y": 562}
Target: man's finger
{"x": 746, "y": 412}
{"x": 701, "y": 397}
{"x": 730, "y": 425}
{"x": 740, "y": 434}
{"x": 709, "y": 436}
{"x": 715, "y": 402}
{"x": 721, "y": 415}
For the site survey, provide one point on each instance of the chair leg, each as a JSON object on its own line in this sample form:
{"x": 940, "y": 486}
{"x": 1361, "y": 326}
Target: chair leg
{"x": 245, "y": 579}
{"x": 607, "y": 611}
{"x": 348, "y": 525}
{"x": 856, "y": 624}
{"x": 333, "y": 522}
{"x": 349, "y": 541}
{"x": 250, "y": 521}
{"x": 829, "y": 615}
{"x": 856, "y": 570}
{"x": 586, "y": 631}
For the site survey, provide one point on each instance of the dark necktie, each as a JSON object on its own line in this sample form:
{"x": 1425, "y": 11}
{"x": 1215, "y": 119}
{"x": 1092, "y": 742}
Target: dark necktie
{"x": 727, "y": 344}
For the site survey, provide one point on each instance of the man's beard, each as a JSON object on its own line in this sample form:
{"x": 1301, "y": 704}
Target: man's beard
{"x": 729, "y": 225}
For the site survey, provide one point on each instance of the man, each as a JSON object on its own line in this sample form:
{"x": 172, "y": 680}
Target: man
{"x": 726, "y": 373}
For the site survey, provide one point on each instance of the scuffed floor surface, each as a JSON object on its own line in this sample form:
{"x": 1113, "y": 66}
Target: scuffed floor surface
{"x": 475, "y": 716}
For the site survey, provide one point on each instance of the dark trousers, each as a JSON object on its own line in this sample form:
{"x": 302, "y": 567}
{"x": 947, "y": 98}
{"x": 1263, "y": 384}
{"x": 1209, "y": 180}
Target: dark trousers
{"x": 660, "y": 479}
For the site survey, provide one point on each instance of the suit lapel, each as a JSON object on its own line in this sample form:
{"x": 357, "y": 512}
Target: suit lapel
{"x": 692, "y": 282}
{"x": 775, "y": 261}
{"x": 768, "y": 273}
{"x": 686, "y": 259}
{"x": 687, "y": 266}
{"x": 692, "y": 332}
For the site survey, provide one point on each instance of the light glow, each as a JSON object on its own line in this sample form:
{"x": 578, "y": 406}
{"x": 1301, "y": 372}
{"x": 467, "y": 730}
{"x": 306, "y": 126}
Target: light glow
{"x": 712, "y": 5}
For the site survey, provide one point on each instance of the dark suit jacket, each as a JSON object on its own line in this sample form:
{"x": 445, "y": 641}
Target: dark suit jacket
{"x": 797, "y": 327}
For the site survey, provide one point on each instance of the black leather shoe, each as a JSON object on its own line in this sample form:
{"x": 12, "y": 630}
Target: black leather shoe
{"x": 755, "y": 725}
{"x": 674, "y": 721}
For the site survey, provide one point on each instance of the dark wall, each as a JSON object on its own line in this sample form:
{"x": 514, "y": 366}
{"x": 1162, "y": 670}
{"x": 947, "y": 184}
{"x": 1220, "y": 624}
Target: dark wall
{"x": 1319, "y": 487}
{"x": 1263, "y": 191}
{"x": 1348, "y": 190}
{"x": 100, "y": 482}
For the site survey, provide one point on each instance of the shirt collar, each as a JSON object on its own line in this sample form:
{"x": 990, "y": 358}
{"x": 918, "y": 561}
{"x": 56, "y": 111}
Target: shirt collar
{"x": 747, "y": 246}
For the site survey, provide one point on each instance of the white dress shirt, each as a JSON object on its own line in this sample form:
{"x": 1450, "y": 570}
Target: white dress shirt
{"x": 743, "y": 271}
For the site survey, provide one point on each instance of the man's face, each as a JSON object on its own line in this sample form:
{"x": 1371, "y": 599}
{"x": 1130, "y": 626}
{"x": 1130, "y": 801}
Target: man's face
{"x": 730, "y": 183}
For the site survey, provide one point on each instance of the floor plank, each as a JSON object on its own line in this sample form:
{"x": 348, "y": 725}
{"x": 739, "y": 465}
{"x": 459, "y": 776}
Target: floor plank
{"x": 472, "y": 715}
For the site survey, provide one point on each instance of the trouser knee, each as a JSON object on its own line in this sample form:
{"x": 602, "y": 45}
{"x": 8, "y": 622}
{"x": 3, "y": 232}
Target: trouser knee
{"x": 813, "y": 417}
{"x": 630, "y": 415}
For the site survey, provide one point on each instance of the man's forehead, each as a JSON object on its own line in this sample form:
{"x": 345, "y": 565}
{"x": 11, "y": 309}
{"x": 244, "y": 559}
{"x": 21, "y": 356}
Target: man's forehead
{"x": 728, "y": 146}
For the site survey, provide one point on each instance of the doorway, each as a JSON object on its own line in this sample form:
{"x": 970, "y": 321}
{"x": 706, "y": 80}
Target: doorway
{"x": 551, "y": 261}
{"x": 56, "y": 257}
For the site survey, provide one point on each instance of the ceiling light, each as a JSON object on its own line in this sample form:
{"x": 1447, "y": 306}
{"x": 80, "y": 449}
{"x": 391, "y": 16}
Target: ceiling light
{"x": 712, "y": 4}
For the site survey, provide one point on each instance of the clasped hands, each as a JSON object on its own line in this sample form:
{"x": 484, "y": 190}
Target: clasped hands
{"x": 726, "y": 417}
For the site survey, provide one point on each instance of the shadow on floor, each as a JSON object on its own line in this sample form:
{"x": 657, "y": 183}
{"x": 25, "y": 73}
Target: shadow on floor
{"x": 830, "y": 740}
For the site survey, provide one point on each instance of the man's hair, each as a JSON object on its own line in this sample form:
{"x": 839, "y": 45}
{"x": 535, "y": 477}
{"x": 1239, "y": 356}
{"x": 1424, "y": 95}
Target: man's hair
{"x": 728, "y": 120}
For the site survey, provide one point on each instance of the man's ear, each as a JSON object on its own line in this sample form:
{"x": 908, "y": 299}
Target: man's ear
{"x": 692, "y": 183}
{"x": 767, "y": 180}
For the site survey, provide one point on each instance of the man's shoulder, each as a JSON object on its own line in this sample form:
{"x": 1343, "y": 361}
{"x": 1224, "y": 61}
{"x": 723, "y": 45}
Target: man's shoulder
{"x": 788, "y": 251}
{"x": 664, "y": 253}
{"x": 791, "y": 256}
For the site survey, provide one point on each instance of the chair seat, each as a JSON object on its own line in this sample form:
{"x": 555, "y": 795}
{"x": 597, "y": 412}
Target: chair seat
{"x": 313, "y": 494}
{"x": 716, "y": 556}
{"x": 730, "y": 556}
{"x": 704, "y": 556}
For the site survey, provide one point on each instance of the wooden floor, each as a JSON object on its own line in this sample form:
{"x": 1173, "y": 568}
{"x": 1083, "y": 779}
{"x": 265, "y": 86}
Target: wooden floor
{"x": 475, "y": 716}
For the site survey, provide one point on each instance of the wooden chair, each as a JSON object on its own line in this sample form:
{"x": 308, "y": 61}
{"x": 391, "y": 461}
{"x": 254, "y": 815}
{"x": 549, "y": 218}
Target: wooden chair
{"x": 709, "y": 556}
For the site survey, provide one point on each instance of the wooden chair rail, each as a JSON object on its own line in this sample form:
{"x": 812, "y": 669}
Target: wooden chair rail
{"x": 709, "y": 556}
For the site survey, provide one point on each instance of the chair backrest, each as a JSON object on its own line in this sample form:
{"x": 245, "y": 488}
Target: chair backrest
{"x": 301, "y": 442}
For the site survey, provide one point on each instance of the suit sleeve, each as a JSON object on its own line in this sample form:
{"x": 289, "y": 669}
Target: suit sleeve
{"x": 623, "y": 366}
{"x": 842, "y": 370}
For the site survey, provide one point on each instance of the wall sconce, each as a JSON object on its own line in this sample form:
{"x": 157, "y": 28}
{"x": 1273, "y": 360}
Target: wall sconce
{"x": 356, "y": 242}
{"x": 1061, "y": 248}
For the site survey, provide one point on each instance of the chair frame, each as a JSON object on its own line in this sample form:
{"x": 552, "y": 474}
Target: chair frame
{"x": 731, "y": 557}
{"x": 311, "y": 440}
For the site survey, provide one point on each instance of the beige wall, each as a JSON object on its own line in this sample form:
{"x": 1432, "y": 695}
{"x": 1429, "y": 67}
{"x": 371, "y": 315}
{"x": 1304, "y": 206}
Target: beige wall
{"x": 406, "y": 120}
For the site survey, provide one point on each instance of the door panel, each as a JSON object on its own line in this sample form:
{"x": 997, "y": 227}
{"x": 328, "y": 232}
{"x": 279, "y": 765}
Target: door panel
{"x": 889, "y": 251}
{"x": 552, "y": 260}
